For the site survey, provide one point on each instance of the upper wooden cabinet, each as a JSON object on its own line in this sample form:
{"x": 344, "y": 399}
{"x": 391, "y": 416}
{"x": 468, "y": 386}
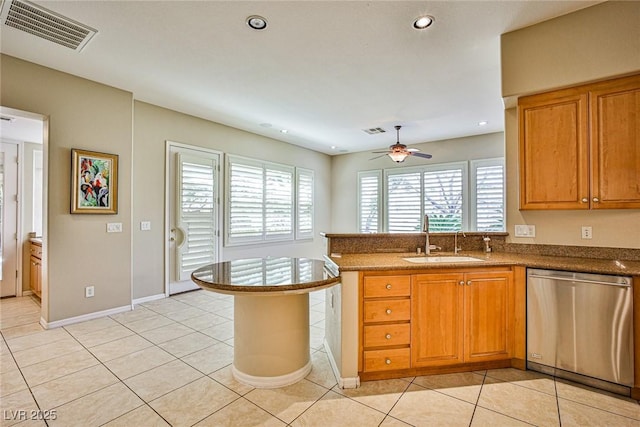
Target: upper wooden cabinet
{"x": 580, "y": 147}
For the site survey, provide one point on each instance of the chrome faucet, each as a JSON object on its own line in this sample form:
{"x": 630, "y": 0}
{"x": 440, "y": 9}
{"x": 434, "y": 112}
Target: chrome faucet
{"x": 425, "y": 230}
{"x": 457, "y": 249}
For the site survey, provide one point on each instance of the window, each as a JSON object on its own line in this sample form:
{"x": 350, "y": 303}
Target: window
{"x": 369, "y": 201}
{"x": 488, "y": 176}
{"x": 453, "y": 198}
{"x": 267, "y": 202}
{"x": 304, "y": 203}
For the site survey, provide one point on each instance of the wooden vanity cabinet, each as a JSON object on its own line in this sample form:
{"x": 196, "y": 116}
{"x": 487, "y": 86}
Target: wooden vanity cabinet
{"x": 579, "y": 147}
{"x": 35, "y": 264}
{"x": 462, "y": 318}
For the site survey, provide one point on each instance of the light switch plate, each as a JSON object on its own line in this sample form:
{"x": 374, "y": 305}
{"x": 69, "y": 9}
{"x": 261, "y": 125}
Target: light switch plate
{"x": 145, "y": 225}
{"x": 114, "y": 227}
{"x": 525, "y": 231}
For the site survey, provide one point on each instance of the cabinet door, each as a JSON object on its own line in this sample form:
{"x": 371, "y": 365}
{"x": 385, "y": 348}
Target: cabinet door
{"x": 35, "y": 275}
{"x": 437, "y": 319}
{"x": 615, "y": 144}
{"x": 554, "y": 151}
{"x": 489, "y": 322}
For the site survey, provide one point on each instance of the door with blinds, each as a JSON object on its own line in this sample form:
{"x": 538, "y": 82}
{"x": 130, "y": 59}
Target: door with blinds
{"x": 193, "y": 214}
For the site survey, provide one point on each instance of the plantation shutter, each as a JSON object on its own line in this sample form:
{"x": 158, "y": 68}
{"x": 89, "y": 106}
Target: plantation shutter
{"x": 278, "y": 203}
{"x": 196, "y": 213}
{"x": 369, "y": 201}
{"x": 443, "y": 199}
{"x": 490, "y": 198}
{"x": 246, "y": 196}
{"x": 304, "y": 200}
{"x": 403, "y": 203}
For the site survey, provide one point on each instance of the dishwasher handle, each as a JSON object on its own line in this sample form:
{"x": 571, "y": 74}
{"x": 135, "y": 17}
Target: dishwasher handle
{"x": 591, "y": 282}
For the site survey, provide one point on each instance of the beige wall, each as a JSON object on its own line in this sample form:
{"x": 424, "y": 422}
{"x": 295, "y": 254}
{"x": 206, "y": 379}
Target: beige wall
{"x": 153, "y": 126}
{"x": 346, "y": 167}
{"x": 591, "y": 44}
{"x": 79, "y": 252}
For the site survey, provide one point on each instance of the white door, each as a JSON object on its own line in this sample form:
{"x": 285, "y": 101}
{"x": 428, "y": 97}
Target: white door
{"x": 193, "y": 214}
{"x": 8, "y": 218}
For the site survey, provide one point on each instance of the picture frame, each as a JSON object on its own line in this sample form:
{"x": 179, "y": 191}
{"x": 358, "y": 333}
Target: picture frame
{"x": 94, "y": 182}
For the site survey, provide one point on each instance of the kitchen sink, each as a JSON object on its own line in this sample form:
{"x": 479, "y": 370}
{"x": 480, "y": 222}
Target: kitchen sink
{"x": 441, "y": 259}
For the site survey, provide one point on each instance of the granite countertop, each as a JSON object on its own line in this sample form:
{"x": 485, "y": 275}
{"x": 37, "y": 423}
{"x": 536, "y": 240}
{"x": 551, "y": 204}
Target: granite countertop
{"x": 395, "y": 261}
{"x": 263, "y": 276}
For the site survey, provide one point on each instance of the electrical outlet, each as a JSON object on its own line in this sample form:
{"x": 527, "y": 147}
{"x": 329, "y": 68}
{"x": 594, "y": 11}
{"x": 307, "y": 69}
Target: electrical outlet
{"x": 587, "y": 232}
{"x": 525, "y": 231}
{"x": 89, "y": 292}
{"x": 145, "y": 225}
{"x": 114, "y": 227}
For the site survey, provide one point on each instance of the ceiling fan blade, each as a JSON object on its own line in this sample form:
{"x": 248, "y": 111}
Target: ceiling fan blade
{"x": 412, "y": 149}
{"x": 377, "y": 157}
{"x": 375, "y": 152}
{"x": 423, "y": 155}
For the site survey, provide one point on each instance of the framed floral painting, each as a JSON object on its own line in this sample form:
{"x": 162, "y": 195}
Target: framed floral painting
{"x": 94, "y": 187}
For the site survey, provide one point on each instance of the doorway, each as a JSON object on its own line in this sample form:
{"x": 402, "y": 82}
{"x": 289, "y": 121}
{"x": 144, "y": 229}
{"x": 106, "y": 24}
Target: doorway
{"x": 23, "y": 198}
{"x": 192, "y": 212}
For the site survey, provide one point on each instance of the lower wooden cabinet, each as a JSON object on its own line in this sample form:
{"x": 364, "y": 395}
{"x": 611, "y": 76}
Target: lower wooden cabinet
{"x": 446, "y": 319}
{"x": 35, "y": 273}
{"x": 462, "y": 318}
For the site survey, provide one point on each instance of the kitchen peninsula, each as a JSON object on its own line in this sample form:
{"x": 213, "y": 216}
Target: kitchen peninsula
{"x": 397, "y": 317}
{"x": 271, "y": 312}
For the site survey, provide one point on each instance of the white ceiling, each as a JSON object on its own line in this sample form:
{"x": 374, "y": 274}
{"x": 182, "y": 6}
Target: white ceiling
{"x": 324, "y": 70}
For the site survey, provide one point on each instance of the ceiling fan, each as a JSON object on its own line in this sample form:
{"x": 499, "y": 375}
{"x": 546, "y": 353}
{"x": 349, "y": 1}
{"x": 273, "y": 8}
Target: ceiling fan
{"x": 399, "y": 152}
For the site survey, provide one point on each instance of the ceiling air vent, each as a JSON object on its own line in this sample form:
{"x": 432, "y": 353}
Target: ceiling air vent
{"x": 374, "y": 131}
{"x": 41, "y": 22}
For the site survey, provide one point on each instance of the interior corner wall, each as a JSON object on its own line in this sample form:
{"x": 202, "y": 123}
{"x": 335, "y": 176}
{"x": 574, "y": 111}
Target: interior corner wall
{"x": 345, "y": 168}
{"x": 91, "y": 116}
{"x": 595, "y": 43}
{"x": 153, "y": 126}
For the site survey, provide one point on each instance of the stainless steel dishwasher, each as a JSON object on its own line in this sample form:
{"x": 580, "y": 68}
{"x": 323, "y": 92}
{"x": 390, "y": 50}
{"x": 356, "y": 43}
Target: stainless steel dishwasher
{"x": 580, "y": 327}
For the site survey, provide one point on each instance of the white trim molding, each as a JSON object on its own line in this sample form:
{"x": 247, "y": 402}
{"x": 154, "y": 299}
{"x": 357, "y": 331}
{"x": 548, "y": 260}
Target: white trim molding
{"x": 271, "y": 382}
{"x": 348, "y": 382}
{"x": 84, "y": 317}
{"x": 148, "y": 299}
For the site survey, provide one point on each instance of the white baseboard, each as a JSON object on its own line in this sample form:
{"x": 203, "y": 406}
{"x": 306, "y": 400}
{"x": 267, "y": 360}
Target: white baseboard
{"x": 84, "y": 317}
{"x": 348, "y": 382}
{"x": 148, "y": 299}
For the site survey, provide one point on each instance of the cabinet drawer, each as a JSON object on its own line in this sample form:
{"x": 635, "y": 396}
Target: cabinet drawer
{"x": 36, "y": 251}
{"x": 387, "y": 286}
{"x": 387, "y": 360}
{"x": 391, "y": 310}
{"x": 387, "y": 335}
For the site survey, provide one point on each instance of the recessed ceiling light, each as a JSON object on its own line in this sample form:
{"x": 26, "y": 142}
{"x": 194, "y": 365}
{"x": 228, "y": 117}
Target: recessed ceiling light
{"x": 423, "y": 22}
{"x": 483, "y": 123}
{"x": 284, "y": 131}
{"x": 333, "y": 147}
{"x": 257, "y": 22}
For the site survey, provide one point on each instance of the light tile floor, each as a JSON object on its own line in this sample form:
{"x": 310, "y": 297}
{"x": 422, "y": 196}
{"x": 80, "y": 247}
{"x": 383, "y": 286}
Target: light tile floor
{"x": 168, "y": 363}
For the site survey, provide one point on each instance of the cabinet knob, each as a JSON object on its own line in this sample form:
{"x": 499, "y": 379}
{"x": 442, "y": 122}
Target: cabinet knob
{"x": 596, "y": 200}
{"x": 461, "y": 282}
{"x": 585, "y": 200}
{"x": 388, "y": 285}
{"x": 388, "y": 336}
{"x": 388, "y": 311}
{"x": 387, "y": 361}
{"x": 469, "y": 283}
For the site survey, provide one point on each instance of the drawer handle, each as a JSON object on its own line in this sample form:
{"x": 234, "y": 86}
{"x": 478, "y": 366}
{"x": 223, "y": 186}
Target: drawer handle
{"x": 388, "y": 336}
{"x": 387, "y": 361}
{"x": 388, "y": 285}
{"x": 388, "y": 311}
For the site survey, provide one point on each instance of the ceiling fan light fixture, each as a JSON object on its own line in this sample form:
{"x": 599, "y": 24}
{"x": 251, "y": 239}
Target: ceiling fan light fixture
{"x": 423, "y": 22}
{"x": 256, "y": 22}
{"x": 397, "y": 156}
